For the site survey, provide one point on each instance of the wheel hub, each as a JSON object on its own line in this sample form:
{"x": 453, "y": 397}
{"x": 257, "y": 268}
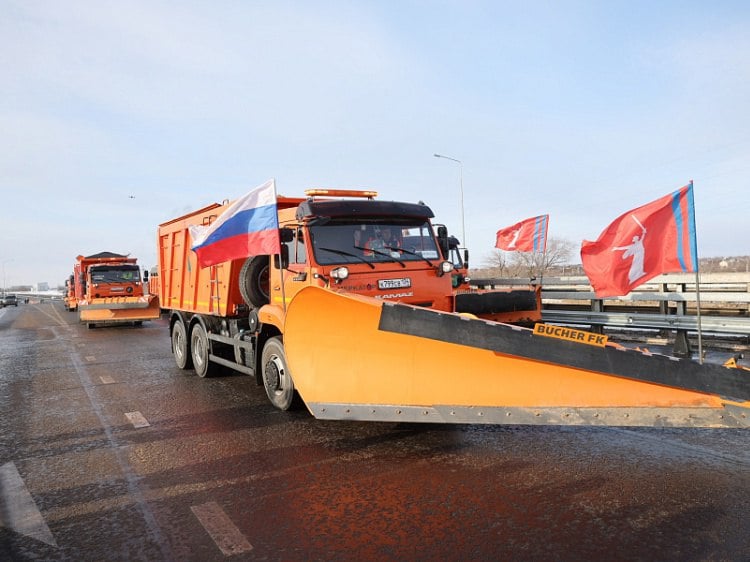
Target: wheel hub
{"x": 273, "y": 376}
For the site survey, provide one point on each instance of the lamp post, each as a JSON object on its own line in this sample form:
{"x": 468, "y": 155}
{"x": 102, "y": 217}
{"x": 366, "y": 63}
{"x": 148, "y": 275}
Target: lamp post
{"x": 4, "y": 262}
{"x": 461, "y": 185}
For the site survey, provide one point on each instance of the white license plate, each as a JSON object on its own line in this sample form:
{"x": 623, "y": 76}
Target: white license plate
{"x": 394, "y": 283}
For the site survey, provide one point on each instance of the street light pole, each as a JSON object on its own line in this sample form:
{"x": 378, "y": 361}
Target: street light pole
{"x": 461, "y": 185}
{"x": 4, "y": 262}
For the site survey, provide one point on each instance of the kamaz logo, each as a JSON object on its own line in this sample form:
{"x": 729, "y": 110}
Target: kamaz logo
{"x": 395, "y": 296}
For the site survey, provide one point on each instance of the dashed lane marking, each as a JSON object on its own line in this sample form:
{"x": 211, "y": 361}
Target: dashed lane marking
{"x": 55, "y": 315}
{"x": 131, "y": 480}
{"x": 90, "y": 358}
{"x": 106, "y": 379}
{"x": 18, "y": 510}
{"x": 220, "y": 528}
{"x": 137, "y": 419}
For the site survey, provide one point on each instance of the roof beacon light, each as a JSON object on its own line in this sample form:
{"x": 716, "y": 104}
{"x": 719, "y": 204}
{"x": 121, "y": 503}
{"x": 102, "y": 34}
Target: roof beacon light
{"x": 323, "y": 192}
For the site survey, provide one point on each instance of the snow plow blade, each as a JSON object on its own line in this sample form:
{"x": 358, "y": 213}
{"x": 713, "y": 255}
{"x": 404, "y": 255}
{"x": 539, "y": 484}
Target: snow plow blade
{"x": 358, "y": 358}
{"x": 119, "y": 310}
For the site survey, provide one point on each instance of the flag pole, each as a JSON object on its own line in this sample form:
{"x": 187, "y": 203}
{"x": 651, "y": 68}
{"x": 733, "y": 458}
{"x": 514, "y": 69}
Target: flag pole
{"x": 281, "y": 275}
{"x": 281, "y": 263}
{"x": 694, "y": 243}
{"x": 544, "y": 251}
{"x": 698, "y": 312}
{"x": 543, "y": 266}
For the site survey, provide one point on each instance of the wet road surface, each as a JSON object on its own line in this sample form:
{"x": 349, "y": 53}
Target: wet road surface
{"x": 109, "y": 452}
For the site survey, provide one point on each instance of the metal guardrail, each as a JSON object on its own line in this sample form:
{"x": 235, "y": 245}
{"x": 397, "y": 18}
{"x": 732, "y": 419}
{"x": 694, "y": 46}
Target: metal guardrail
{"x": 712, "y": 324}
{"x": 665, "y": 303}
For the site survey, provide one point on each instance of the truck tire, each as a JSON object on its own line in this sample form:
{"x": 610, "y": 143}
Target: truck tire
{"x": 199, "y": 351}
{"x": 254, "y": 281}
{"x": 277, "y": 380}
{"x": 180, "y": 346}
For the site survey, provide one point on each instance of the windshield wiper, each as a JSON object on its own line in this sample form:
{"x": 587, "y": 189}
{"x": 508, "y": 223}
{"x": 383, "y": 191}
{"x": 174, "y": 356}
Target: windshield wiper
{"x": 343, "y": 253}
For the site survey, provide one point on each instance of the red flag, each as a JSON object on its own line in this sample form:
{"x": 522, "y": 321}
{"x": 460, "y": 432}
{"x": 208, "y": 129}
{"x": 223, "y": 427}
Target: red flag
{"x": 529, "y": 235}
{"x": 657, "y": 238}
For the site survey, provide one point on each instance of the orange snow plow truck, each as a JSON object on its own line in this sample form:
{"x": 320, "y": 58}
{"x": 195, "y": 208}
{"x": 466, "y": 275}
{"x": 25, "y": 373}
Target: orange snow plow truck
{"x": 109, "y": 290}
{"x": 358, "y": 325}
{"x": 69, "y": 299}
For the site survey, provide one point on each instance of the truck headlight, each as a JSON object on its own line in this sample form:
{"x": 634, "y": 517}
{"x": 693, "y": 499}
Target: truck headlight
{"x": 445, "y": 267}
{"x": 340, "y": 273}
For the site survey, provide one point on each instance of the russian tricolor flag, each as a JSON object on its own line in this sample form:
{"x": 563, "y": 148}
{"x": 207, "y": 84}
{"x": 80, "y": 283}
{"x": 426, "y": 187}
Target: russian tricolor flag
{"x": 248, "y": 227}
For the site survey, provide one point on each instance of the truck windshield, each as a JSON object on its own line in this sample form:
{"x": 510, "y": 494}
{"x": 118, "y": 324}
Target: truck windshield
{"x": 338, "y": 242}
{"x": 115, "y": 274}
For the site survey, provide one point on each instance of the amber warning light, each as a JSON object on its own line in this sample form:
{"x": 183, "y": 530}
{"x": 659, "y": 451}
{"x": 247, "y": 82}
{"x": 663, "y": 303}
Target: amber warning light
{"x": 321, "y": 192}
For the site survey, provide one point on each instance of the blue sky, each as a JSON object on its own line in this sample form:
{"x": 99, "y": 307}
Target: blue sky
{"x": 117, "y": 116}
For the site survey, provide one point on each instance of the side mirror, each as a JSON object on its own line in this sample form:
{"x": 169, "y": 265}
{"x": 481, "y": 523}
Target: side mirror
{"x": 442, "y": 235}
{"x": 145, "y": 276}
{"x": 286, "y": 235}
{"x": 466, "y": 258}
{"x": 281, "y": 260}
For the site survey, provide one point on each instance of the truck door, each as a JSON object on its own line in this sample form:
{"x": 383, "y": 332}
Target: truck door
{"x": 296, "y": 275}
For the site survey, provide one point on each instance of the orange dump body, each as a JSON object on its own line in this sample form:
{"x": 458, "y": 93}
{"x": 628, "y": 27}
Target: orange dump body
{"x": 185, "y": 286}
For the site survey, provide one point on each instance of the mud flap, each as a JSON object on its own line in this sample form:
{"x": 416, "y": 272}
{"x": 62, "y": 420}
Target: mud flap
{"x": 355, "y": 357}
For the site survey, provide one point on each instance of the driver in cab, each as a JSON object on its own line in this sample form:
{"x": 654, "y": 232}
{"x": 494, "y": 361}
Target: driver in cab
{"x": 383, "y": 242}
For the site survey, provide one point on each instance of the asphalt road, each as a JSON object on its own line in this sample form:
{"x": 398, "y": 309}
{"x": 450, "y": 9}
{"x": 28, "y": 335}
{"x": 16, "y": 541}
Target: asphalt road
{"x": 109, "y": 452}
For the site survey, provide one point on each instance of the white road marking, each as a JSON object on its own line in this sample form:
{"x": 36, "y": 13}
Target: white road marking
{"x": 106, "y": 379}
{"x": 224, "y": 533}
{"x": 90, "y": 358}
{"x": 55, "y": 314}
{"x": 129, "y": 476}
{"x": 137, "y": 419}
{"x": 18, "y": 510}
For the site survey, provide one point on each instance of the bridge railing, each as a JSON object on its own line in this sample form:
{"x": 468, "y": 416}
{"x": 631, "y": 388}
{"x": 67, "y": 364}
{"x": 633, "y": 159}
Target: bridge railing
{"x": 666, "y": 303}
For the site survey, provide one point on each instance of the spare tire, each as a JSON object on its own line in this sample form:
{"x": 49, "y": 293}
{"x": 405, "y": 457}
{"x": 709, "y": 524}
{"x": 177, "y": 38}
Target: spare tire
{"x": 254, "y": 281}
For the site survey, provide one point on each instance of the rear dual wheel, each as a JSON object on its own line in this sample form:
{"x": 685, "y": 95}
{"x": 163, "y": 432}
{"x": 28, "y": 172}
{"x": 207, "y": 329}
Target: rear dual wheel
{"x": 180, "y": 346}
{"x": 200, "y": 350}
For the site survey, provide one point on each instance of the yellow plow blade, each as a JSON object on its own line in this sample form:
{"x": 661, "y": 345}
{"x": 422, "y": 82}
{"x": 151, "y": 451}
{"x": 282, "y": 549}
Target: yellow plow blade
{"x": 119, "y": 310}
{"x": 355, "y": 357}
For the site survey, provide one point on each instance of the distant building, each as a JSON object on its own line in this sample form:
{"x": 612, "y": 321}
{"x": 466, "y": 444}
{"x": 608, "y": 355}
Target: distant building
{"x": 42, "y": 286}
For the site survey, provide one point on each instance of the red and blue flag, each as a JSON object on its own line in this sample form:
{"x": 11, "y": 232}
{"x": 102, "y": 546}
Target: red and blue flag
{"x": 247, "y": 227}
{"x": 529, "y": 235}
{"x": 656, "y": 238}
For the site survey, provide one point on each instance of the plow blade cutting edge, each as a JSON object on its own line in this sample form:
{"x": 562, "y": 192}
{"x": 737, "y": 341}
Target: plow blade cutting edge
{"x": 114, "y": 310}
{"x": 359, "y": 358}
